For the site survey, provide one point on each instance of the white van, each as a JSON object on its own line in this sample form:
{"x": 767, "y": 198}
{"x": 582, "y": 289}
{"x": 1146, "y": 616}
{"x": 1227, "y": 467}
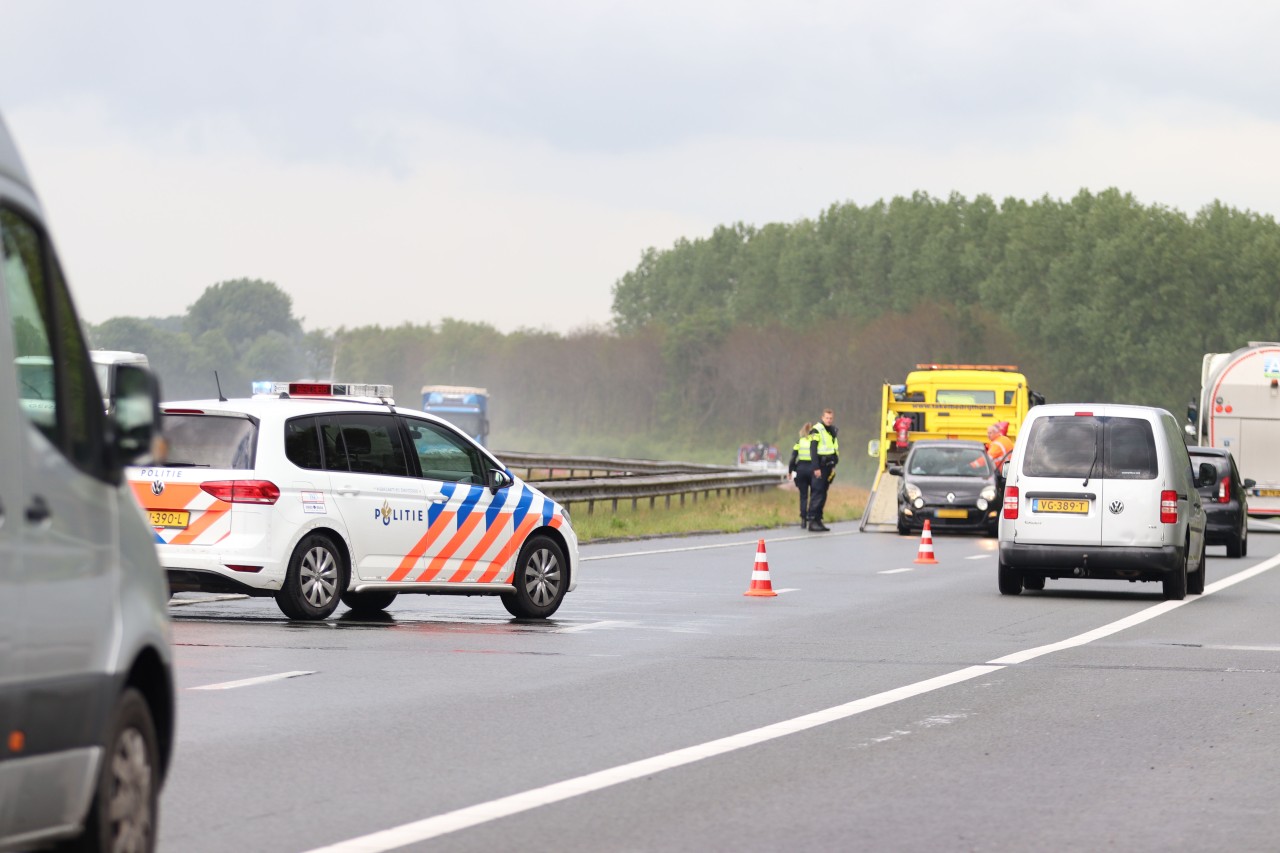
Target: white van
{"x": 86, "y": 690}
{"x": 1102, "y": 491}
{"x": 113, "y": 369}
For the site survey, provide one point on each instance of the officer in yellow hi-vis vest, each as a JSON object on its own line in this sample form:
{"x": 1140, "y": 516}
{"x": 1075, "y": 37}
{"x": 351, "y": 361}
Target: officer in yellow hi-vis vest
{"x": 800, "y": 469}
{"x": 824, "y": 449}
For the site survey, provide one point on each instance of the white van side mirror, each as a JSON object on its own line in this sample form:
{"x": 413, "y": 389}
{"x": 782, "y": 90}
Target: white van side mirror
{"x": 135, "y": 415}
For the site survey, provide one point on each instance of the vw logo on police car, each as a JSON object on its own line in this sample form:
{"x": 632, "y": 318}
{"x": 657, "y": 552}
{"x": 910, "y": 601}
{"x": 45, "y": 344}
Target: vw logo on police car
{"x": 1116, "y": 507}
{"x": 157, "y": 486}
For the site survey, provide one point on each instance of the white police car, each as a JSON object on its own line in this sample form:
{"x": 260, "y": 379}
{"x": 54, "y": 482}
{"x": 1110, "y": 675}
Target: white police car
{"x": 325, "y": 492}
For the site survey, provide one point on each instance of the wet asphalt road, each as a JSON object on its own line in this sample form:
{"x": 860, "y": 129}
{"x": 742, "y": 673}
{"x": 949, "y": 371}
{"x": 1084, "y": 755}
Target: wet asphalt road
{"x": 874, "y": 703}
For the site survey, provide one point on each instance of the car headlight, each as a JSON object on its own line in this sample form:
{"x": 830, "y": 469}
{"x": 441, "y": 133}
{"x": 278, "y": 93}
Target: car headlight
{"x": 982, "y": 503}
{"x": 988, "y": 494}
{"x": 912, "y": 492}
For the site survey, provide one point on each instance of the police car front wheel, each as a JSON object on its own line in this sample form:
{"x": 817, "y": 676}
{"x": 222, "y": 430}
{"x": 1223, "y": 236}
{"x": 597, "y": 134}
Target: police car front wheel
{"x": 540, "y": 579}
{"x": 317, "y": 576}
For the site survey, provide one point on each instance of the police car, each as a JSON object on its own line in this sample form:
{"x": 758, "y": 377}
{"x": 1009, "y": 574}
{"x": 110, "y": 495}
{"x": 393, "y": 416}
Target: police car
{"x": 320, "y": 492}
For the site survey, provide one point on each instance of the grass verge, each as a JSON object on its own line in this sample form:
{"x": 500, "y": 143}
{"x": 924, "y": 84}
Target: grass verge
{"x": 771, "y": 508}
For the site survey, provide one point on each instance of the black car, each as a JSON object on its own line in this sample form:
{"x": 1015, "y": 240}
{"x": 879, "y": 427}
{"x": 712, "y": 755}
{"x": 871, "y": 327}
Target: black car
{"x": 951, "y": 484}
{"x": 1226, "y": 501}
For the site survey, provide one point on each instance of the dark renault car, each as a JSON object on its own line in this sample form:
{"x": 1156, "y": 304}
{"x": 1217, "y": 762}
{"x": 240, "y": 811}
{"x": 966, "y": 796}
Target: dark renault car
{"x": 950, "y": 483}
{"x": 1225, "y": 501}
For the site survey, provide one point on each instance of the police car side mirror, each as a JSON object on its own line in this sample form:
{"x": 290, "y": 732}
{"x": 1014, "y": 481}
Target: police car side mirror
{"x": 498, "y": 479}
{"x": 1249, "y": 483}
{"x": 895, "y": 470}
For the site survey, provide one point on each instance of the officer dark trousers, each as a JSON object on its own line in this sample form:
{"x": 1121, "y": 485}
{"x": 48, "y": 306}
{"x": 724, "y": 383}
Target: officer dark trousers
{"x": 804, "y": 480}
{"x": 817, "y": 496}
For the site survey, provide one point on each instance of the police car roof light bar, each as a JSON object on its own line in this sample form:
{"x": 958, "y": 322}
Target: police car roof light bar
{"x": 331, "y": 389}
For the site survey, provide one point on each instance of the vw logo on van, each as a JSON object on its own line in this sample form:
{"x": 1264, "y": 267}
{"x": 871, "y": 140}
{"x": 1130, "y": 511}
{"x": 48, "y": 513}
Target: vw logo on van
{"x": 157, "y": 486}
{"x": 1116, "y": 507}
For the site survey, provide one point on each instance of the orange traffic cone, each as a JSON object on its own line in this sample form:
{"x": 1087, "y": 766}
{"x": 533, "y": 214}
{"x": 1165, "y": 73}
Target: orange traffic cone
{"x": 760, "y": 584}
{"x": 925, "y": 554}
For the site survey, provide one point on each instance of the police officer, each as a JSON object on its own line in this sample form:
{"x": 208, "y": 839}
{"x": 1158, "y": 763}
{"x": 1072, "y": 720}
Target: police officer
{"x": 800, "y": 469}
{"x": 824, "y": 449}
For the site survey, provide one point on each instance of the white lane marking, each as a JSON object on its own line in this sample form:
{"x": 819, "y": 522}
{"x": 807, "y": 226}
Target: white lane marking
{"x": 443, "y": 824}
{"x": 781, "y": 590}
{"x": 261, "y": 679}
{"x": 592, "y": 626}
{"x": 752, "y": 543}
{"x": 453, "y": 821}
{"x": 894, "y": 571}
{"x": 979, "y": 557}
{"x": 1137, "y": 618}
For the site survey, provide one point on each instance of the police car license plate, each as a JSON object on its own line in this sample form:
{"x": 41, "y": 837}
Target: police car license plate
{"x": 169, "y": 518}
{"x": 1080, "y": 507}
{"x": 1267, "y": 493}
{"x": 953, "y": 513}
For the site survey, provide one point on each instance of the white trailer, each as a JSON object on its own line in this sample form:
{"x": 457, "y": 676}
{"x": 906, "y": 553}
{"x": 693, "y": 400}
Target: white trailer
{"x": 1239, "y": 410}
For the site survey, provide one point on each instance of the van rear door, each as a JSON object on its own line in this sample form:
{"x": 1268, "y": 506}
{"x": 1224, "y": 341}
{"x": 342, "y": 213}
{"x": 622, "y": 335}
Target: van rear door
{"x": 1059, "y": 489}
{"x": 1130, "y": 483}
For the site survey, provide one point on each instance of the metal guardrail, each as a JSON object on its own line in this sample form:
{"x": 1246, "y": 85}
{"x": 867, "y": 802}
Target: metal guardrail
{"x": 612, "y": 479}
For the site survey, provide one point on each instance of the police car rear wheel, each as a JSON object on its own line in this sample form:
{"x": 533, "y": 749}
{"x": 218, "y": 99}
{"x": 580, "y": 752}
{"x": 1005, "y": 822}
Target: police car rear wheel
{"x": 368, "y": 602}
{"x": 317, "y": 576}
{"x": 541, "y": 575}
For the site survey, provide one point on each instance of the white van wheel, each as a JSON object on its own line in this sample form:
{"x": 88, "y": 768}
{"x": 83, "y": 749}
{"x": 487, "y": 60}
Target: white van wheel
{"x": 1175, "y": 583}
{"x": 123, "y": 816}
{"x": 1010, "y": 580}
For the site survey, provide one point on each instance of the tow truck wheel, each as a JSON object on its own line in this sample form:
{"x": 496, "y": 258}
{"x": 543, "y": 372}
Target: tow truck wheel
{"x": 540, "y": 580}
{"x": 369, "y": 601}
{"x": 317, "y": 576}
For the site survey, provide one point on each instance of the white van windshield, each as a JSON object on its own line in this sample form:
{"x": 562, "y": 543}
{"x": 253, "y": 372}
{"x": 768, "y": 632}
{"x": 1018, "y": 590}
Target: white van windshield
{"x": 1084, "y": 445}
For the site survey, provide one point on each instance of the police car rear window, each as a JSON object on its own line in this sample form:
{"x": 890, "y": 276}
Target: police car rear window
{"x": 1081, "y": 446}
{"x": 210, "y": 441}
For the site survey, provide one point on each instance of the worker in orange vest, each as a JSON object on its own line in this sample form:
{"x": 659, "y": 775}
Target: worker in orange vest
{"x": 999, "y": 445}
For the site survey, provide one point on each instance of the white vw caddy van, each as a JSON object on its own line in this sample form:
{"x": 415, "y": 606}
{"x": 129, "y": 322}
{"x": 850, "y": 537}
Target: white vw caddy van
{"x": 86, "y": 692}
{"x": 1101, "y": 491}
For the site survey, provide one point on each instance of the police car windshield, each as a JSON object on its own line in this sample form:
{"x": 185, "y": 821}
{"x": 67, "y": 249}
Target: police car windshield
{"x": 210, "y": 441}
{"x": 468, "y": 422}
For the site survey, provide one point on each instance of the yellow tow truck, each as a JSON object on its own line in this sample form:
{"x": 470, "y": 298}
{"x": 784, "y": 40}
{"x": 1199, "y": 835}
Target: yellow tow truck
{"x": 940, "y": 401}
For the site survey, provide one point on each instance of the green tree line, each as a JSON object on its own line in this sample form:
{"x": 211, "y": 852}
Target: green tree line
{"x": 744, "y": 334}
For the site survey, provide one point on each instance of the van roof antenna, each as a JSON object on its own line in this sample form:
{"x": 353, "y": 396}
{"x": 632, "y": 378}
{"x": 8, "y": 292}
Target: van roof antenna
{"x": 218, "y": 382}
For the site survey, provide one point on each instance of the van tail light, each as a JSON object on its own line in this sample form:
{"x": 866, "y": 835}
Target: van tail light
{"x": 243, "y": 491}
{"x": 1224, "y": 491}
{"x": 1011, "y": 502}
{"x": 1168, "y": 507}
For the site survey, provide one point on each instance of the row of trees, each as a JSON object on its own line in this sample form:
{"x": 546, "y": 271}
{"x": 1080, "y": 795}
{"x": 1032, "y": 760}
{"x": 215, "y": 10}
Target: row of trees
{"x": 743, "y": 335}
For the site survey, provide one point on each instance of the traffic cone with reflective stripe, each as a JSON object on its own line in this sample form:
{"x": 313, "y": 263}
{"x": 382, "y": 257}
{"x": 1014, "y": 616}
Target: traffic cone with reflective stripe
{"x": 760, "y": 584}
{"x": 925, "y": 554}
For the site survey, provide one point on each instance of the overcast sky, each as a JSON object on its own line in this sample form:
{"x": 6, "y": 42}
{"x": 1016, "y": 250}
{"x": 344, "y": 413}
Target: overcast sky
{"x": 387, "y": 162}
